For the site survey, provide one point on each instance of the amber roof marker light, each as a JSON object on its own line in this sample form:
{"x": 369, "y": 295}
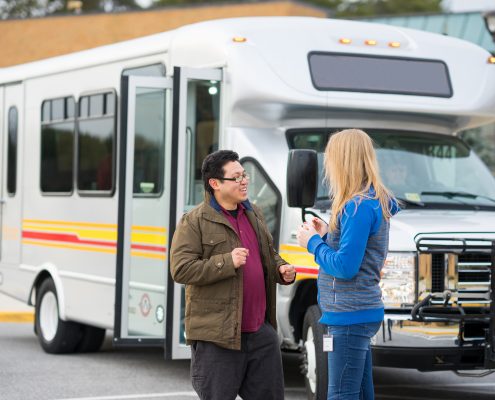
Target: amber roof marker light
{"x": 239, "y": 39}
{"x": 345, "y": 41}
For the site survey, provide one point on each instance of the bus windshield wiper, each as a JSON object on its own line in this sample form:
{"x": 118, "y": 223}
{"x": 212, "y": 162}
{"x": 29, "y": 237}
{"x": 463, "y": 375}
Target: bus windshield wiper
{"x": 411, "y": 202}
{"x": 452, "y": 194}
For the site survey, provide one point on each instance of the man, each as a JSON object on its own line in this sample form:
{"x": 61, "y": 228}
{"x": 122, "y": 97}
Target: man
{"x": 223, "y": 252}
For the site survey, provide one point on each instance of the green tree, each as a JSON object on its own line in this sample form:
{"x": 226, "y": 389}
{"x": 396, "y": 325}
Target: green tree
{"x": 39, "y": 8}
{"x": 482, "y": 141}
{"x": 28, "y": 8}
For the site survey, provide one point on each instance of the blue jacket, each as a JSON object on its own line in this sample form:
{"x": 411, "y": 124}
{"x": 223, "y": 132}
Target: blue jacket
{"x": 350, "y": 260}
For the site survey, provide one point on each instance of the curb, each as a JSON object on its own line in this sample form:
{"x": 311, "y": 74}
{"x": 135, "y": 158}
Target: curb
{"x": 17, "y": 316}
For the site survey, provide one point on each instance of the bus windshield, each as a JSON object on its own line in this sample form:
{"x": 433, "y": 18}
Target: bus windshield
{"x": 422, "y": 169}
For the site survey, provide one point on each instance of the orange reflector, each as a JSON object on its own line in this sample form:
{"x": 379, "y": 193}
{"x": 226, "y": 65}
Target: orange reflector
{"x": 491, "y": 60}
{"x": 370, "y": 42}
{"x": 394, "y": 44}
{"x": 239, "y": 39}
{"x": 345, "y": 41}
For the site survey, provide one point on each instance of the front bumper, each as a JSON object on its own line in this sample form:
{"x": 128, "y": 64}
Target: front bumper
{"x": 435, "y": 344}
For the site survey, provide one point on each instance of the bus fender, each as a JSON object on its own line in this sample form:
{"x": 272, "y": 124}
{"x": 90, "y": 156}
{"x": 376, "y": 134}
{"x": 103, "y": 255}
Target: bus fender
{"x": 49, "y": 271}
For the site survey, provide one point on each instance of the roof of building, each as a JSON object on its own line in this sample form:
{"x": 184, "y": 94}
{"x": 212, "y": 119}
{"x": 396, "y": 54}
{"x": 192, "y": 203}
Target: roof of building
{"x": 469, "y": 26}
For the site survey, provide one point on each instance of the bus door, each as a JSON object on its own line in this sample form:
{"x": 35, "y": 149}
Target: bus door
{"x": 143, "y": 210}
{"x": 197, "y": 100}
{"x": 10, "y": 187}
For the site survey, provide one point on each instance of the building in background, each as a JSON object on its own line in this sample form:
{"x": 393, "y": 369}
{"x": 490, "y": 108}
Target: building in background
{"x": 25, "y": 40}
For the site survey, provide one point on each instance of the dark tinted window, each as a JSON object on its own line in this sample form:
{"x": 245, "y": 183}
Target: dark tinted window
{"x": 12, "y": 151}
{"x": 57, "y": 146}
{"x": 96, "y": 143}
{"x": 359, "y": 73}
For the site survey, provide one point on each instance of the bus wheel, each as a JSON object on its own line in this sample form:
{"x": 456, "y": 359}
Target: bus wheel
{"x": 92, "y": 339}
{"x": 55, "y": 336}
{"x": 315, "y": 361}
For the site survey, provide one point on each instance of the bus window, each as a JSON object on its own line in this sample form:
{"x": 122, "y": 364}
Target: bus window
{"x": 264, "y": 194}
{"x": 146, "y": 70}
{"x": 57, "y": 145}
{"x": 149, "y": 144}
{"x": 202, "y": 132}
{"x": 12, "y": 151}
{"x": 96, "y": 143}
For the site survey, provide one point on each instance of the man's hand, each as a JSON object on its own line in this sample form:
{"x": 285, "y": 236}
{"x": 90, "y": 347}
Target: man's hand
{"x": 288, "y": 272}
{"x": 239, "y": 256}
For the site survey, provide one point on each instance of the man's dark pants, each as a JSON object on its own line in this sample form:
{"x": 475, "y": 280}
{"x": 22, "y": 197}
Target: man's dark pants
{"x": 255, "y": 372}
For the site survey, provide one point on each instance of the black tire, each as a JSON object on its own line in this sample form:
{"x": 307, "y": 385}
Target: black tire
{"x": 313, "y": 356}
{"x": 92, "y": 339}
{"x": 55, "y": 336}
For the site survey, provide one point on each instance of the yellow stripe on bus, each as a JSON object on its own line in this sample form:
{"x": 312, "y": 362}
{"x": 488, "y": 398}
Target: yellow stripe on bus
{"x": 67, "y": 223}
{"x": 92, "y": 225}
{"x": 96, "y": 249}
{"x": 70, "y": 246}
{"x": 81, "y": 233}
{"x": 292, "y": 247}
{"x": 16, "y": 316}
{"x": 148, "y": 238}
{"x": 306, "y": 260}
{"x": 148, "y": 255}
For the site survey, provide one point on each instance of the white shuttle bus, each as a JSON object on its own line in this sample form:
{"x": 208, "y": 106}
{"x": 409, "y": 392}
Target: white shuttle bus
{"x": 101, "y": 153}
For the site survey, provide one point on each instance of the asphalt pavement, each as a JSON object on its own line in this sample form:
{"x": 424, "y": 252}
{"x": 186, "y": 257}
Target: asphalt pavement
{"x": 26, "y": 372}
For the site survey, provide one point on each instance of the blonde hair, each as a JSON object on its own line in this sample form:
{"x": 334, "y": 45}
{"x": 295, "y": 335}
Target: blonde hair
{"x": 351, "y": 169}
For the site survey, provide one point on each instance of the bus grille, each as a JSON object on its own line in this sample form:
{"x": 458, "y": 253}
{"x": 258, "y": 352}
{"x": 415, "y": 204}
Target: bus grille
{"x": 462, "y": 266}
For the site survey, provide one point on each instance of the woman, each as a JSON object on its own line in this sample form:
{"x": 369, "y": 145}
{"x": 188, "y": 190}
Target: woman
{"x": 350, "y": 257}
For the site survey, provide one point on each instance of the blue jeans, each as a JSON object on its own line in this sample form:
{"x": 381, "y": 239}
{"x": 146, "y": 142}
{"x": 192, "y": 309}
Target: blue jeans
{"x": 350, "y": 375}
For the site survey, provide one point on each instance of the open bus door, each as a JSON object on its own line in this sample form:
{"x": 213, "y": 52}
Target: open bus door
{"x": 143, "y": 210}
{"x": 165, "y": 136}
{"x": 196, "y": 127}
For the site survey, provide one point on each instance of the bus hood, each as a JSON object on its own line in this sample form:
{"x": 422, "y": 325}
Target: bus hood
{"x": 409, "y": 225}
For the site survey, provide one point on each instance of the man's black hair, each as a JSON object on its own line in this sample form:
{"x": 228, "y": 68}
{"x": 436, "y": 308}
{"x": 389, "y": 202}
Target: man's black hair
{"x": 213, "y": 166}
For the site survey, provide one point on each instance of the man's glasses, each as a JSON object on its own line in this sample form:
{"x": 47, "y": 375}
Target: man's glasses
{"x": 237, "y": 179}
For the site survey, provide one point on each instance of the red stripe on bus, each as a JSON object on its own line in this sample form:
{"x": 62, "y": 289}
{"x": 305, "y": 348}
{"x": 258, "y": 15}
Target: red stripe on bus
{"x": 305, "y": 270}
{"x": 68, "y": 238}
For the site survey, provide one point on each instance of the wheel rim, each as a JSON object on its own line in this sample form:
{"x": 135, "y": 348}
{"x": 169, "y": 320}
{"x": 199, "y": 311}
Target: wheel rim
{"x": 310, "y": 359}
{"x": 48, "y": 316}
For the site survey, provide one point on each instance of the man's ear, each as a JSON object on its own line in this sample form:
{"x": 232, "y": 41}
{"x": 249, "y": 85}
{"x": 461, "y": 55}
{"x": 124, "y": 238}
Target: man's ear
{"x": 213, "y": 183}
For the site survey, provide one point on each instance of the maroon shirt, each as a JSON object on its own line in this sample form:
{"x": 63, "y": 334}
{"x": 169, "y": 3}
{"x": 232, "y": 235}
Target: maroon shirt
{"x": 254, "y": 294}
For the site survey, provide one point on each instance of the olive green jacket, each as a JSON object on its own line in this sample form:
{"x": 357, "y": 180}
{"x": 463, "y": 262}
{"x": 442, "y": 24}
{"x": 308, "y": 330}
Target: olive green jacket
{"x": 200, "y": 258}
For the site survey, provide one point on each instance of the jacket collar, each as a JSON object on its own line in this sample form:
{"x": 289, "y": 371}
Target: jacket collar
{"x": 214, "y": 203}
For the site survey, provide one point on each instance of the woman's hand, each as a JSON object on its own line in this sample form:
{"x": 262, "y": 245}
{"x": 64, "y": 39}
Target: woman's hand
{"x": 320, "y": 226}
{"x": 304, "y": 233}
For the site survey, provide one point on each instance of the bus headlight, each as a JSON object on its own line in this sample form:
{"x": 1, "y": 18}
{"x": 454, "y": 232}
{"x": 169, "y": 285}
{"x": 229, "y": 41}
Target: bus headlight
{"x": 398, "y": 281}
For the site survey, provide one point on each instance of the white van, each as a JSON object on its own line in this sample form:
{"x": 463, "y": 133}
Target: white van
{"x": 101, "y": 155}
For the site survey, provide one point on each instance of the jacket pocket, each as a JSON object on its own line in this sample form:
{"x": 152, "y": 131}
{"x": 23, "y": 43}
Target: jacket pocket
{"x": 214, "y": 243}
{"x": 207, "y": 319}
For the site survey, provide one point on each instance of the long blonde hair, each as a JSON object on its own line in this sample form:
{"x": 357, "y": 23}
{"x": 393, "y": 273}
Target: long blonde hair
{"x": 351, "y": 169}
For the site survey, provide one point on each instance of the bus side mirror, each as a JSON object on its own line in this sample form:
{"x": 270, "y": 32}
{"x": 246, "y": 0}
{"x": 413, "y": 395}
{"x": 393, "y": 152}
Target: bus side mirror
{"x": 302, "y": 175}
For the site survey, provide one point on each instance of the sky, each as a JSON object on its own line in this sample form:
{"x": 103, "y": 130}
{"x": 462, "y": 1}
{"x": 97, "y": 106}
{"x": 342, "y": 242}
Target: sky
{"x": 469, "y": 5}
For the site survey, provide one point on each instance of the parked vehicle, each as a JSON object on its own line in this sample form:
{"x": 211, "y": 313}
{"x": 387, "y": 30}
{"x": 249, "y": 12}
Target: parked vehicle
{"x": 102, "y": 153}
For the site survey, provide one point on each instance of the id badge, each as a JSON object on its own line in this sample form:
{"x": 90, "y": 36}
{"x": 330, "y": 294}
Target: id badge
{"x": 327, "y": 342}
